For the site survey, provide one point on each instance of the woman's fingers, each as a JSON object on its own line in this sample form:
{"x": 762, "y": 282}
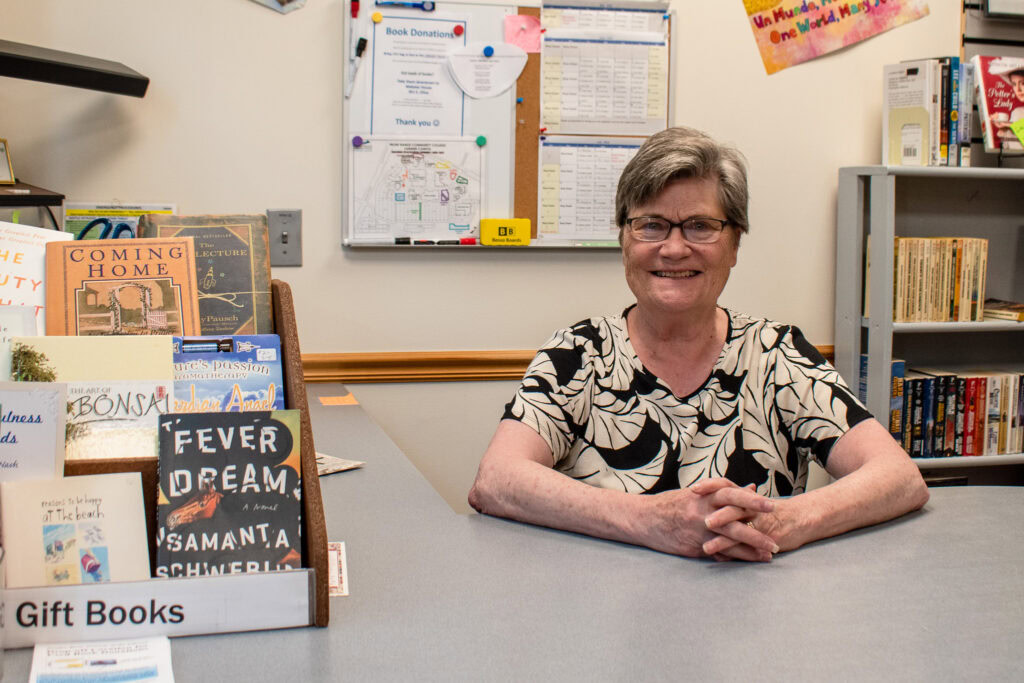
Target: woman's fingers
{"x": 739, "y": 533}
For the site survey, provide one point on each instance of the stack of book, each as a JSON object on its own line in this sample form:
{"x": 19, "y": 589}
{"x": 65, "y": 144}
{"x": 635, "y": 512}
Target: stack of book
{"x": 926, "y": 112}
{"x": 939, "y": 279}
{"x": 157, "y": 348}
{"x": 999, "y": 309}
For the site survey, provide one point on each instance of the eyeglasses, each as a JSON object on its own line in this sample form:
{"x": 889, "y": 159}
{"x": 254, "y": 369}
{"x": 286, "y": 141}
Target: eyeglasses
{"x": 695, "y": 230}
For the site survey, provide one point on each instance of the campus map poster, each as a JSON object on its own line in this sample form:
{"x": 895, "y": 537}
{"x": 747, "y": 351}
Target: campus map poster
{"x": 416, "y": 189}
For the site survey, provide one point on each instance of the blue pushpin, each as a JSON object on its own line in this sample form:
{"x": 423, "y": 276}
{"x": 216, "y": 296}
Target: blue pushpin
{"x": 519, "y": 100}
{"x": 488, "y": 51}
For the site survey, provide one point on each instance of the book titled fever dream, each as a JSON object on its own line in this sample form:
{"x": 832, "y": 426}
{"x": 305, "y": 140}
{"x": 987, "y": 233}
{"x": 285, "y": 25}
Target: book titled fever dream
{"x": 228, "y": 374}
{"x": 229, "y": 496}
{"x": 124, "y": 286}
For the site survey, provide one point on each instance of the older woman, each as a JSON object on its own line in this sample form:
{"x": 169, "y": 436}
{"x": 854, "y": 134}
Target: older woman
{"x": 712, "y": 413}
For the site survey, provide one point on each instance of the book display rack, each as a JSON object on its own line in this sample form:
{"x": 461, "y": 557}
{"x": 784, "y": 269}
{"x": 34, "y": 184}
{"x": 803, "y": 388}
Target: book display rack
{"x": 197, "y": 605}
{"x": 884, "y": 202}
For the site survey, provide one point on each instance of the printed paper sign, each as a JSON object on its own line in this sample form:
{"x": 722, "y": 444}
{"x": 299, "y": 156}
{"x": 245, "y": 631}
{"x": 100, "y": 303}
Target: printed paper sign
{"x": 482, "y": 75}
{"x": 789, "y": 32}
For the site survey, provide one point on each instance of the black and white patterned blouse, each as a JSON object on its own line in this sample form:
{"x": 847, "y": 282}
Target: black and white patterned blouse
{"x": 770, "y": 404}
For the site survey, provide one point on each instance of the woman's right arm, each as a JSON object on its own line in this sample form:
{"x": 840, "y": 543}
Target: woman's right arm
{"x": 516, "y": 480}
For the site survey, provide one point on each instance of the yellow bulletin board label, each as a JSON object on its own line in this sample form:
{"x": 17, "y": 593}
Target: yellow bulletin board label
{"x": 505, "y": 232}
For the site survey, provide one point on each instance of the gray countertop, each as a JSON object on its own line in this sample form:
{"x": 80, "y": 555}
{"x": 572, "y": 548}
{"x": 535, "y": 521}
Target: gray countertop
{"x": 937, "y": 594}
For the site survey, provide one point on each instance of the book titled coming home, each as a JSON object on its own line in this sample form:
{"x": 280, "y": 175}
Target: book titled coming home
{"x": 125, "y": 286}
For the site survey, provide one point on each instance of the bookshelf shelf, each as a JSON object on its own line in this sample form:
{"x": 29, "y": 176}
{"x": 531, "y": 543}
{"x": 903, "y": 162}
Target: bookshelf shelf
{"x": 987, "y": 326}
{"x": 969, "y": 461}
{"x": 885, "y": 202}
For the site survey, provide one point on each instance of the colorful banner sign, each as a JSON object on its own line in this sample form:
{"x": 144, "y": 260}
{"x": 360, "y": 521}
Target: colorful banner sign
{"x": 789, "y": 32}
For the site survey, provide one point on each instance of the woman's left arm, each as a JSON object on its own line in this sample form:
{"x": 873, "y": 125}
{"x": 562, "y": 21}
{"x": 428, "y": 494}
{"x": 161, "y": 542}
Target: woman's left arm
{"x": 875, "y": 481}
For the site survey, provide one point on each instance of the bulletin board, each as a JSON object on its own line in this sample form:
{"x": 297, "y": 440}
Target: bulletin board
{"x": 425, "y": 160}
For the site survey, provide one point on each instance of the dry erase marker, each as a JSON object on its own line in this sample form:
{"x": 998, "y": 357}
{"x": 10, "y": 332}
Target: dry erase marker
{"x": 353, "y": 67}
{"x": 467, "y": 240}
{"x": 448, "y": 242}
{"x": 403, "y": 240}
{"x": 423, "y": 242}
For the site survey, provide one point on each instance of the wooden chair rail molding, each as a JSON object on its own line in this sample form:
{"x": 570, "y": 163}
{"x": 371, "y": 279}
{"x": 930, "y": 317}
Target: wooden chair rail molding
{"x": 427, "y": 366}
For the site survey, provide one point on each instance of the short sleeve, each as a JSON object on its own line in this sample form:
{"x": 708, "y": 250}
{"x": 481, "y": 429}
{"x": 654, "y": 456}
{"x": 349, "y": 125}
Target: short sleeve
{"x": 552, "y": 396}
{"x": 814, "y": 403}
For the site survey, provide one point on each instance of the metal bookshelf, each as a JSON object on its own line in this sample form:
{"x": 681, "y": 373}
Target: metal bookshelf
{"x": 890, "y": 201}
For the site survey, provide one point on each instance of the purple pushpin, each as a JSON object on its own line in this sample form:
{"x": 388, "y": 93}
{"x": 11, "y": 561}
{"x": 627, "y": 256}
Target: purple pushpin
{"x": 358, "y": 141}
{"x": 488, "y": 51}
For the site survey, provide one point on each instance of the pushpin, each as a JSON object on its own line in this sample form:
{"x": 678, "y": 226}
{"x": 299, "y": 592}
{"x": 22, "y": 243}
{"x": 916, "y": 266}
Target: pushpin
{"x": 665, "y": 16}
{"x": 488, "y": 51}
{"x": 543, "y": 130}
{"x": 358, "y": 141}
{"x": 458, "y": 30}
{"x": 377, "y": 17}
{"x": 481, "y": 140}
{"x": 519, "y": 100}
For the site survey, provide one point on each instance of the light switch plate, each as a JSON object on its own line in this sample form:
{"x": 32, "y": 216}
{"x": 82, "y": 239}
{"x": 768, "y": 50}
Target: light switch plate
{"x": 285, "y": 227}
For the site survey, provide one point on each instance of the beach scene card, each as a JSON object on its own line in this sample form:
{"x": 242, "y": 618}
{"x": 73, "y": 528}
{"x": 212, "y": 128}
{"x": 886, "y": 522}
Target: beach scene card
{"x": 789, "y": 32}
{"x": 32, "y": 427}
{"x": 75, "y": 530}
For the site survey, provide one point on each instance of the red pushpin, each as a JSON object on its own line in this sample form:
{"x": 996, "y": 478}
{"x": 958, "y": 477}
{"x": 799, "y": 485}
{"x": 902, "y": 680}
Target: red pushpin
{"x": 458, "y": 30}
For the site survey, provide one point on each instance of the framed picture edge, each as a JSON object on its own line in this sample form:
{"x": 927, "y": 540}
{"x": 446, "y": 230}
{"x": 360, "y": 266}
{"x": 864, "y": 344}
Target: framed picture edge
{"x": 5, "y": 163}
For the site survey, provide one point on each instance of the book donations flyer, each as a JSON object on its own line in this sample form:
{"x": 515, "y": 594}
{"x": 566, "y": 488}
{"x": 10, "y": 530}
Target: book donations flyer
{"x": 789, "y": 32}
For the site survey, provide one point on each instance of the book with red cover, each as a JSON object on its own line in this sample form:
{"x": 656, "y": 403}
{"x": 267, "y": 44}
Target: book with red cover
{"x": 1000, "y": 93}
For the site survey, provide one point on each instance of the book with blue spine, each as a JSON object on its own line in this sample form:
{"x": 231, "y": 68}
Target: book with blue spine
{"x": 228, "y": 374}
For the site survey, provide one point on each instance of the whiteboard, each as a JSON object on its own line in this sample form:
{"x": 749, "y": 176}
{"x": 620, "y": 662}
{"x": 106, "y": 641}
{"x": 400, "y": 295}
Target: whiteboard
{"x": 400, "y": 83}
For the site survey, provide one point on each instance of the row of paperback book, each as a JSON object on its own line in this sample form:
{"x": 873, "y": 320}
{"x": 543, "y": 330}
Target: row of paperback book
{"x": 939, "y": 279}
{"x": 942, "y": 412}
{"x": 155, "y": 348}
{"x": 929, "y": 104}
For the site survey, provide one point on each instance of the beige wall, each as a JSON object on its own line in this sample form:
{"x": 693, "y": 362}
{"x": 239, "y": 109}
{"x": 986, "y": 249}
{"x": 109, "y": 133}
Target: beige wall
{"x": 244, "y": 113}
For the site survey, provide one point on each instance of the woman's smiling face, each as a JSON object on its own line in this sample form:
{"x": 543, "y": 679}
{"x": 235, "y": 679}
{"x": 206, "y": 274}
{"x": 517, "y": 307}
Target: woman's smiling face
{"x": 674, "y": 276}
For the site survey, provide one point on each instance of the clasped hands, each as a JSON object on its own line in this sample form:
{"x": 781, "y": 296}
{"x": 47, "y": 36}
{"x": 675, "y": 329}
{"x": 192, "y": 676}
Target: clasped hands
{"x": 716, "y": 518}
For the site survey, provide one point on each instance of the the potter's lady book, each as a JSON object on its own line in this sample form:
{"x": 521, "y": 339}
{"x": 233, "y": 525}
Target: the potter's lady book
{"x": 229, "y": 496}
{"x": 84, "y": 529}
{"x": 121, "y": 286}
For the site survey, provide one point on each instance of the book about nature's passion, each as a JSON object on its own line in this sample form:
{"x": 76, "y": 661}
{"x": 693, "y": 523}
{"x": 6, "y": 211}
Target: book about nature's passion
{"x": 228, "y": 374}
{"x": 232, "y": 269}
{"x": 84, "y": 529}
{"x": 121, "y": 287}
{"x": 229, "y": 496}
{"x": 23, "y": 267}
{"x": 117, "y": 388}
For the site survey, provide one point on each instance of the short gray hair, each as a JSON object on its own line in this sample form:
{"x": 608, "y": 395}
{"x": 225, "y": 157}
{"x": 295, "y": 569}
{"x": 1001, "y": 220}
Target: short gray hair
{"x": 682, "y": 152}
